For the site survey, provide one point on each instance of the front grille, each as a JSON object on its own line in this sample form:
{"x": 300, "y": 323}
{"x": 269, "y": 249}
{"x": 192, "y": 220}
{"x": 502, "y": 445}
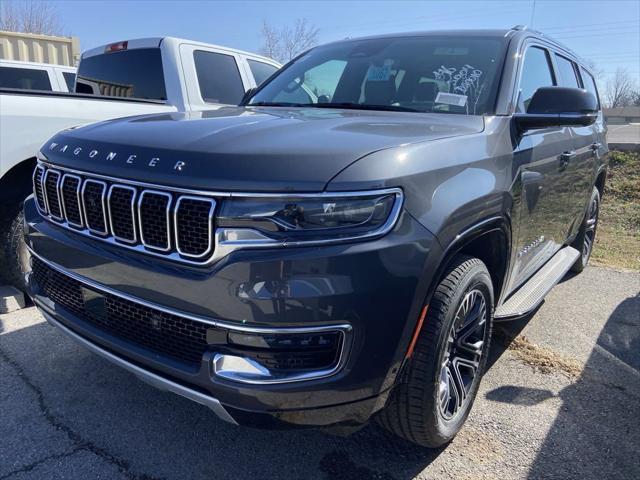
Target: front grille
{"x": 170, "y": 335}
{"x": 155, "y": 221}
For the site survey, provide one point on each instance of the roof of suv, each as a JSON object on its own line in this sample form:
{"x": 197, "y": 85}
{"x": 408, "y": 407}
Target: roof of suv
{"x": 517, "y": 31}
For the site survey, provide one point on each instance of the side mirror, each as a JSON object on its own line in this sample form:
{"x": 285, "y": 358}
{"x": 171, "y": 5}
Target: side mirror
{"x": 558, "y": 106}
{"x": 247, "y": 95}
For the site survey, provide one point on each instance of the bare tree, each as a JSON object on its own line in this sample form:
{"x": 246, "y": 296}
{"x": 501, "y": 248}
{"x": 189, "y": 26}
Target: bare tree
{"x": 619, "y": 89}
{"x": 285, "y": 43}
{"x": 30, "y": 16}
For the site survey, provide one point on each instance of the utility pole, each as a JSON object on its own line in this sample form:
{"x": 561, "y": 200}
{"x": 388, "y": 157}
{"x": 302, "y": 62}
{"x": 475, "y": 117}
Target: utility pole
{"x": 533, "y": 13}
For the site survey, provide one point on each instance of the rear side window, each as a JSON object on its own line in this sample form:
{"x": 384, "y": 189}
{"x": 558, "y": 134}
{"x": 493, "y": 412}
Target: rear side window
{"x": 260, "y": 70}
{"x": 218, "y": 77}
{"x": 536, "y": 73}
{"x": 589, "y": 84}
{"x": 136, "y": 73}
{"x": 567, "y": 72}
{"x": 24, "y": 78}
{"x": 69, "y": 79}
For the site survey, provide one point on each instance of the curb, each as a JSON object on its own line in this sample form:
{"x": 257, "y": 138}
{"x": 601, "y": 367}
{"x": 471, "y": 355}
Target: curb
{"x": 11, "y": 299}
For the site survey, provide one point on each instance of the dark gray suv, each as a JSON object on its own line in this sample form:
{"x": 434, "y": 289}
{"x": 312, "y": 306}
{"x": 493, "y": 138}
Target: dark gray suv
{"x": 337, "y": 247}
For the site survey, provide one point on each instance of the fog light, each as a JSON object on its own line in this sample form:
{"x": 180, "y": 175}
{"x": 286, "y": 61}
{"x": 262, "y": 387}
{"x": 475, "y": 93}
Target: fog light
{"x": 274, "y": 356}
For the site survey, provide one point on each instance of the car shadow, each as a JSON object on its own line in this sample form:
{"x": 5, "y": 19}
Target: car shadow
{"x": 160, "y": 435}
{"x": 596, "y": 433}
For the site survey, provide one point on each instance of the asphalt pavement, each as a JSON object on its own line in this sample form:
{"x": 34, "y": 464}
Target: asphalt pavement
{"x": 68, "y": 414}
{"x": 623, "y": 134}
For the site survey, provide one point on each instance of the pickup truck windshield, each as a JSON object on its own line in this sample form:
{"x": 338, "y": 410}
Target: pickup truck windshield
{"x": 133, "y": 73}
{"x": 419, "y": 74}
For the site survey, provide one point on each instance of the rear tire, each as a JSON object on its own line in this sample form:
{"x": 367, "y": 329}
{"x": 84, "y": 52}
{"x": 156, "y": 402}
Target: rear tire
{"x": 585, "y": 240}
{"x": 14, "y": 256}
{"x": 438, "y": 385}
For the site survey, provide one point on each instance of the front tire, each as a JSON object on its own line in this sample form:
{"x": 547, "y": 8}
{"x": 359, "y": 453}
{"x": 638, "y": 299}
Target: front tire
{"x": 439, "y": 384}
{"x": 14, "y": 256}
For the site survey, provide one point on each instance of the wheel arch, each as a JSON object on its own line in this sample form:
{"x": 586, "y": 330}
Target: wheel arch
{"x": 15, "y": 184}
{"x": 601, "y": 179}
{"x": 490, "y": 241}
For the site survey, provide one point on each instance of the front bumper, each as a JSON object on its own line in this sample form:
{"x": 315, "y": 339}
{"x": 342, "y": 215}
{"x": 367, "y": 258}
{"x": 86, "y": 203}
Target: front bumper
{"x": 376, "y": 287}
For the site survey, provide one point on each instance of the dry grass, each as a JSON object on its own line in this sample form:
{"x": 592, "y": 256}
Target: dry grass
{"x": 543, "y": 359}
{"x": 618, "y": 238}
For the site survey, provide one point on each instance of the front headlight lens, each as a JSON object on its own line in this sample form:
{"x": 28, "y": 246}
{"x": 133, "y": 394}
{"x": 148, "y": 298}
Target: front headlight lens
{"x": 309, "y": 218}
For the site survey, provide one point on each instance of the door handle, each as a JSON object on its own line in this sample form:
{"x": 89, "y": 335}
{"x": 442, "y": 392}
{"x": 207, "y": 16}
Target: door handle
{"x": 565, "y": 158}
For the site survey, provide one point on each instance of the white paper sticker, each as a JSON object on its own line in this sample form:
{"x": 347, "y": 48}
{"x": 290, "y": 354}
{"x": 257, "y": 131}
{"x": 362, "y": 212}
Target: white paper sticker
{"x": 451, "y": 99}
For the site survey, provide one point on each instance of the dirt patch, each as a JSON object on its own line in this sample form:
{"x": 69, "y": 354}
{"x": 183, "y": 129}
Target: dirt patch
{"x": 543, "y": 359}
{"x": 478, "y": 446}
{"x": 618, "y": 237}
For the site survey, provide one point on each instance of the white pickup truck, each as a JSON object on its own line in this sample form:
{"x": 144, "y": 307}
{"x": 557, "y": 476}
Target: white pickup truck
{"x": 133, "y": 77}
{"x": 36, "y": 76}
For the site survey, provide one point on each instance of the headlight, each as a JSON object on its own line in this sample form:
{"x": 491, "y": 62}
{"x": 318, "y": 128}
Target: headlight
{"x": 328, "y": 217}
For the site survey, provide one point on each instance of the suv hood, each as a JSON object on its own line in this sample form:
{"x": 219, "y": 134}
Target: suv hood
{"x": 246, "y": 149}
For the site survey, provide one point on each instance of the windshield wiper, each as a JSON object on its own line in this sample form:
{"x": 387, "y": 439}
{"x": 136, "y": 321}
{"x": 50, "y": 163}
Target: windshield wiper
{"x": 277, "y": 104}
{"x": 364, "y": 106}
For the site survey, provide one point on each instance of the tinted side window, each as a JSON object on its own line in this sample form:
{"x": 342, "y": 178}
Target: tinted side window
{"x": 589, "y": 83}
{"x": 24, "y": 78}
{"x": 260, "y": 70}
{"x": 135, "y": 73}
{"x": 218, "y": 77}
{"x": 69, "y": 79}
{"x": 536, "y": 73}
{"x": 567, "y": 72}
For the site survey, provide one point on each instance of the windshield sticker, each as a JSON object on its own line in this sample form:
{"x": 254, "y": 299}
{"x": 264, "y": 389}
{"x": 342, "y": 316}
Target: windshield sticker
{"x": 463, "y": 81}
{"x": 451, "y": 99}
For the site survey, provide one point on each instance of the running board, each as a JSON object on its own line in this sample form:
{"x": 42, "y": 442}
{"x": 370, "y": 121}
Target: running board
{"x": 531, "y": 294}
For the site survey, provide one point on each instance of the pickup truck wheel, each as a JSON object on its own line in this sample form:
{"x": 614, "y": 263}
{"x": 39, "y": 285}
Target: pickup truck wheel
{"x": 14, "y": 256}
{"x": 438, "y": 385}
{"x": 586, "y": 237}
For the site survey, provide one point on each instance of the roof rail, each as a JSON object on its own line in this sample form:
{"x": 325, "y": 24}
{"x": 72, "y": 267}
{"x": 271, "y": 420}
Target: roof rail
{"x": 519, "y": 27}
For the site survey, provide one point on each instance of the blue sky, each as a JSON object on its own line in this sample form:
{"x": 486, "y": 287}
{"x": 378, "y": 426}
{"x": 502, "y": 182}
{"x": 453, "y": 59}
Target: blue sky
{"x": 604, "y": 31}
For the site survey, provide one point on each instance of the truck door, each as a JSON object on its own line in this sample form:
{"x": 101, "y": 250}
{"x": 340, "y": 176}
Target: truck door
{"x": 580, "y": 171}
{"x": 540, "y": 187}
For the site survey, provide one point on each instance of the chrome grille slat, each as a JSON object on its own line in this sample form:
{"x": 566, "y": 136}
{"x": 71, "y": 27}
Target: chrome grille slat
{"x": 155, "y": 220}
{"x": 194, "y": 230}
{"x": 38, "y": 189}
{"x": 162, "y": 222}
{"x": 94, "y": 206}
{"x": 70, "y": 199}
{"x": 51, "y": 184}
{"x": 121, "y": 202}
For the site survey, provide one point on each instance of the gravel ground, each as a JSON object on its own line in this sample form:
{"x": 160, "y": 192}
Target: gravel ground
{"x": 69, "y": 414}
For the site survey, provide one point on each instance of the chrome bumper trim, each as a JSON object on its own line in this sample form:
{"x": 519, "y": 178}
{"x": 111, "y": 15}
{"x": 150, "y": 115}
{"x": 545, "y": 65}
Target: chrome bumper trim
{"x": 147, "y": 377}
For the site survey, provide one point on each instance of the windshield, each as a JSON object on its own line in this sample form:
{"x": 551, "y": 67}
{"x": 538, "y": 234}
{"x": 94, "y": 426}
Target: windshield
{"x": 422, "y": 74}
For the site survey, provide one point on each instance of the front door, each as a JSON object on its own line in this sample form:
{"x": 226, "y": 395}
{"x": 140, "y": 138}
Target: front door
{"x": 541, "y": 158}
